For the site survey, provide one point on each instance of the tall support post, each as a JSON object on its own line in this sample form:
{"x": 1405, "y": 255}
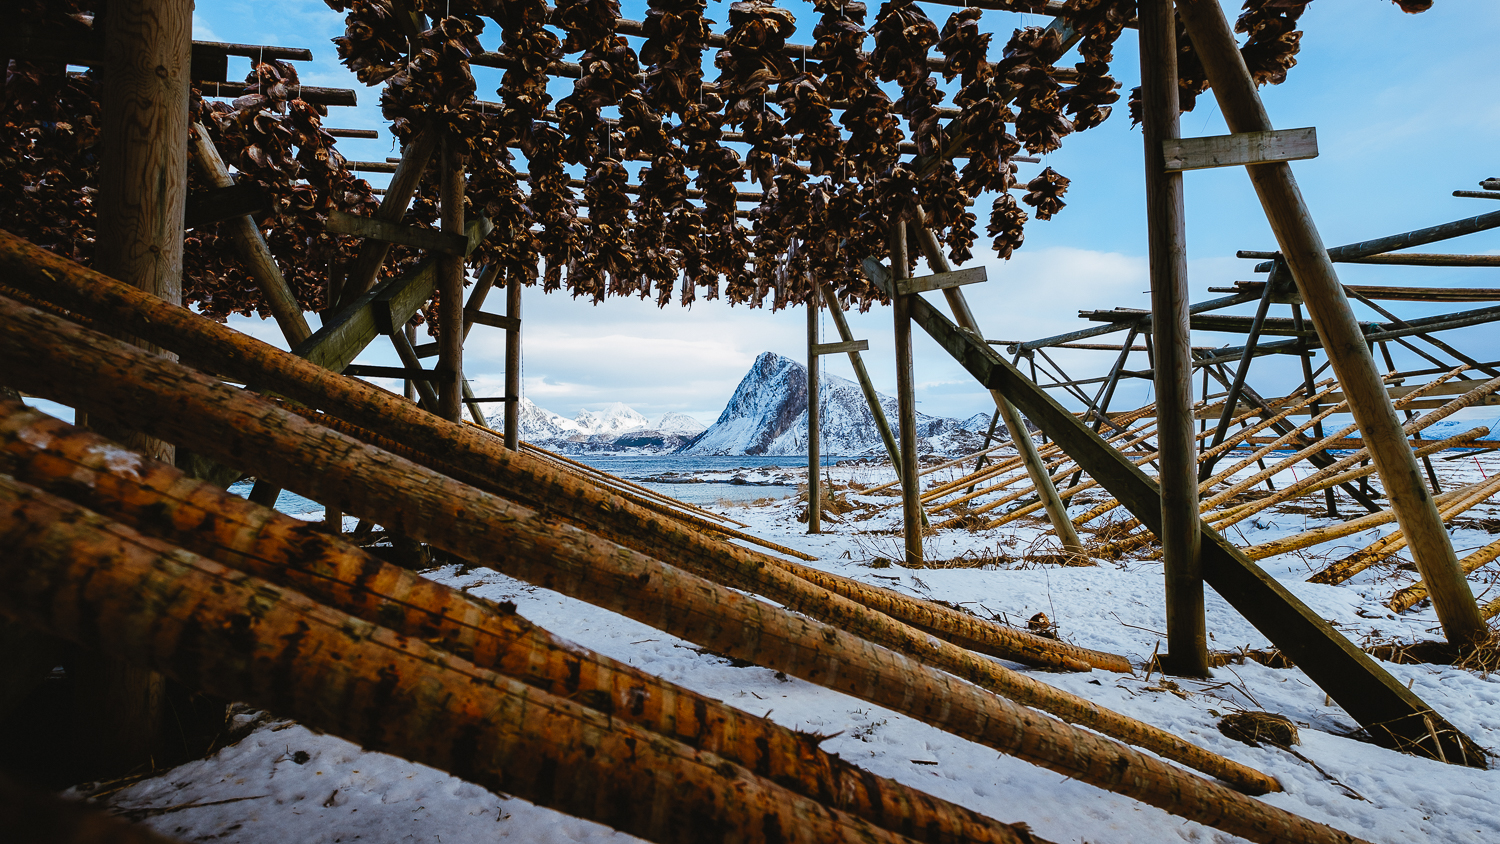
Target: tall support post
{"x": 409, "y": 387}
{"x": 1306, "y": 255}
{"x": 1036, "y": 468}
{"x": 906, "y": 399}
{"x": 1181, "y": 535}
{"x": 513, "y": 364}
{"x": 451, "y": 291}
{"x": 142, "y": 193}
{"x": 814, "y": 458}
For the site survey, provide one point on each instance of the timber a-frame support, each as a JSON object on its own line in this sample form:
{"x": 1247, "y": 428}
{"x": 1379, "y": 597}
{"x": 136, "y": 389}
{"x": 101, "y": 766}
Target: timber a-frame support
{"x": 1391, "y": 713}
{"x": 1311, "y": 268}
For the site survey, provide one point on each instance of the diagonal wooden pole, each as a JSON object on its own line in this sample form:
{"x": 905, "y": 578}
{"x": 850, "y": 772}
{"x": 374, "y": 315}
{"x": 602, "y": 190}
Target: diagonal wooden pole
{"x": 1057, "y": 511}
{"x": 1340, "y": 333}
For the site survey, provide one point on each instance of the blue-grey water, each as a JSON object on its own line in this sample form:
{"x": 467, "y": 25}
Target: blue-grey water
{"x": 636, "y": 467}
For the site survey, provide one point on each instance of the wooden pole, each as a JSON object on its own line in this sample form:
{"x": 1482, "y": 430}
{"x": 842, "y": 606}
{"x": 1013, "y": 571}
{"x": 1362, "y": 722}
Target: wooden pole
{"x": 1237, "y": 386}
{"x": 403, "y": 185}
{"x": 513, "y": 364}
{"x": 409, "y": 388}
{"x": 1020, "y": 435}
{"x": 119, "y": 717}
{"x": 247, "y": 239}
{"x": 1181, "y": 535}
{"x": 1452, "y": 599}
{"x": 906, "y": 401}
{"x": 814, "y": 483}
{"x": 866, "y": 386}
{"x": 451, "y": 291}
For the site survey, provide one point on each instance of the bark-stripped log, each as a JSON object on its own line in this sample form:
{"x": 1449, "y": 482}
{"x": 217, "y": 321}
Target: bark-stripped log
{"x": 159, "y": 500}
{"x": 95, "y": 372}
{"x": 109, "y": 588}
{"x": 1336, "y": 530}
{"x": 1417, "y": 592}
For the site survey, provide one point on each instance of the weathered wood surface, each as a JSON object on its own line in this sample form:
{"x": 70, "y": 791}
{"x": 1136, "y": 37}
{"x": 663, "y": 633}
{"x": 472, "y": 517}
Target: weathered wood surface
{"x": 478, "y": 317}
{"x": 216, "y": 204}
{"x": 337, "y": 673}
{"x": 1310, "y": 265}
{"x": 379, "y": 311}
{"x": 406, "y": 497}
{"x": 814, "y": 418}
{"x": 820, "y": 349}
{"x": 1392, "y": 714}
{"x": 512, "y": 427}
{"x": 450, "y": 286}
{"x": 912, "y": 526}
{"x": 1187, "y": 637}
{"x": 1238, "y": 149}
{"x": 361, "y": 370}
{"x": 942, "y": 280}
{"x": 1414, "y": 594}
{"x": 158, "y": 499}
{"x": 431, "y": 240}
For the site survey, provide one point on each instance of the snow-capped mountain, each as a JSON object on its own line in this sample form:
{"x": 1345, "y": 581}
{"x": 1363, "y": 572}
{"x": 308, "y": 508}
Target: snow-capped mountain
{"x": 768, "y": 415}
{"x": 617, "y": 427}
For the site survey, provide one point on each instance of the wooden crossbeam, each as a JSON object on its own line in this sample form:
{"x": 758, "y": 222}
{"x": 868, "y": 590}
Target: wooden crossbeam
{"x": 431, "y": 240}
{"x": 213, "y": 205}
{"x": 386, "y": 306}
{"x": 492, "y": 320}
{"x": 1240, "y": 148}
{"x": 939, "y": 281}
{"x": 1392, "y": 714}
{"x": 1392, "y": 294}
{"x": 821, "y": 349}
{"x": 370, "y": 134}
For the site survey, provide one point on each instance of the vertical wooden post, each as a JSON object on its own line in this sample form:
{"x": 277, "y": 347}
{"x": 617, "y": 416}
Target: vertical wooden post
{"x": 1303, "y": 248}
{"x": 906, "y": 400}
{"x": 409, "y": 387}
{"x": 451, "y": 292}
{"x": 814, "y": 484}
{"x": 1020, "y": 436}
{"x": 142, "y": 193}
{"x": 1187, "y": 639}
{"x": 513, "y": 365}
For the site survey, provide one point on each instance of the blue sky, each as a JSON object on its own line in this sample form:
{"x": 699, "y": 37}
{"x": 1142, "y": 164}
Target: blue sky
{"x": 1404, "y": 113}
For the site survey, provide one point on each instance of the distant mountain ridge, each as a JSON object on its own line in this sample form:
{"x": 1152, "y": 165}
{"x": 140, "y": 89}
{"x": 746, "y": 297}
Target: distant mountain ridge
{"x": 767, "y": 415}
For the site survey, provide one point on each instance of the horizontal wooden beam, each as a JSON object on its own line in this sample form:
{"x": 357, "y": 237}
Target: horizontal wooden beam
{"x": 389, "y": 304}
{"x": 212, "y": 205}
{"x": 1477, "y": 194}
{"x": 1393, "y": 715}
{"x": 370, "y": 134}
{"x": 489, "y": 399}
{"x": 509, "y": 323}
{"x": 1391, "y": 294}
{"x": 307, "y": 93}
{"x": 431, "y": 240}
{"x": 939, "y": 281}
{"x": 360, "y": 370}
{"x": 1240, "y": 149}
{"x": 820, "y": 349}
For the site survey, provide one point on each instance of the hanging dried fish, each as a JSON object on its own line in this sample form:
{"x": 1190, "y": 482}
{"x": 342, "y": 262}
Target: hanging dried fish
{"x": 1271, "y": 49}
{"x": 1027, "y": 70}
{"x": 1100, "y": 22}
{"x": 1045, "y": 193}
{"x": 1007, "y": 224}
{"x": 676, "y": 36}
{"x": 373, "y": 44}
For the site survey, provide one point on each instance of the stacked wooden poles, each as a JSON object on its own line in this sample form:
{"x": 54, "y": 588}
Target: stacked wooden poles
{"x": 111, "y": 589}
{"x": 121, "y": 710}
{"x": 1337, "y": 327}
{"x": 156, "y": 499}
{"x": 512, "y": 396}
{"x": 459, "y": 451}
{"x": 814, "y": 406}
{"x": 1187, "y": 636}
{"x": 450, "y": 289}
{"x": 393, "y": 491}
{"x": 1020, "y": 435}
{"x": 906, "y": 400}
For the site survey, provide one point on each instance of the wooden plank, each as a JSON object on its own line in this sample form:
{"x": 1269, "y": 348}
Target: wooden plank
{"x": 309, "y": 93}
{"x": 431, "y": 240}
{"x": 361, "y": 370}
{"x": 371, "y": 166}
{"x": 370, "y": 134}
{"x": 1390, "y": 712}
{"x": 1240, "y": 149}
{"x": 345, "y": 334}
{"x": 940, "y": 281}
{"x": 217, "y": 204}
{"x": 820, "y": 349}
{"x": 509, "y": 323}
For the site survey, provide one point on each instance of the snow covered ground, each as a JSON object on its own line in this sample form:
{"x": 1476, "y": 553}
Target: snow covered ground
{"x": 285, "y": 783}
